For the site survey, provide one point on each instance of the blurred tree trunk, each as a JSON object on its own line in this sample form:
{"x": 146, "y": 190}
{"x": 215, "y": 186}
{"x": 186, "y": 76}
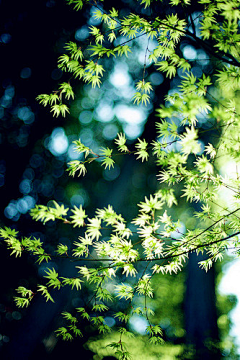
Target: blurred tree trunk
{"x": 200, "y": 310}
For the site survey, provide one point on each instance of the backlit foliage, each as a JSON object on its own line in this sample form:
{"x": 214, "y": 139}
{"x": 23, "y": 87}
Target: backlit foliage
{"x": 153, "y": 237}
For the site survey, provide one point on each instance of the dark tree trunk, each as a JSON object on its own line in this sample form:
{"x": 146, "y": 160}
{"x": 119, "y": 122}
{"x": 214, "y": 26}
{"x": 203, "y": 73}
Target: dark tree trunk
{"x": 200, "y": 311}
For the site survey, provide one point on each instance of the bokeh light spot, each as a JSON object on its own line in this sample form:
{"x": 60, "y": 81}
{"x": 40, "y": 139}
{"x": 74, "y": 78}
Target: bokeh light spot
{"x": 138, "y": 324}
{"x": 25, "y": 73}
{"x": 82, "y": 33}
{"x": 130, "y": 114}
{"x": 26, "y": 115}
{"x": 104, "y": 112}
{"x": 58, "y": 144}
{"x": 111, "y": 174}
{"x": 120, "y": 76}
{"x": 156, "y": 78}
{"x": 56, "y": 74}
{"x": 5, "y": 38}
{"x": 25, "y": 186}
{"x": 189, "y": 52}
{"x": 85, "y": 117}
{"x": 110, "y": 131}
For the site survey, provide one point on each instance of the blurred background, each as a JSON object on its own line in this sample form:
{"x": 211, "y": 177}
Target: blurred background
{"x": 34, "y": 151}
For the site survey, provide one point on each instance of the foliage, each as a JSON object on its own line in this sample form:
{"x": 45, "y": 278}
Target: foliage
{"x": 178, "y": 148}
{"x": 139, "y": 348}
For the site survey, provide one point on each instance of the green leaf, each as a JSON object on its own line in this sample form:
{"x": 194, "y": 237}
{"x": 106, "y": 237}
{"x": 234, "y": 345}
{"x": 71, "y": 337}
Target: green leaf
{"x": 52, "y": 275}
{"x": 124, "y": 291}
{"x": 8, "y": 232}
{"x": 121, "y": 143}
{"x": 75, "y": 51}
{"x": 78, "y": 4}
{"x": 108, "y": 162}
{"x": 153, "y": 203}
{"x": 189, "y": 141}
{"x": 81, "y": 148}
{"x": 27, "y": 296}
{"x": 59, "y": 109}
{"x": 43, "y": 99}
{"x": 62, "y": 249}
{"x": 73, "y": 282}
{"x": 45, "y": 214}
{"x": 66, "y": 89}
{"x": 142, "y": 150}
{"x": 93, "y": 228}
{"x": 78, "y": 216}
{"x": 141, "y": 98}
{"x": 44, "y": 291}
{"x": 64, "y": 334}
{"x": 75, "y": 166}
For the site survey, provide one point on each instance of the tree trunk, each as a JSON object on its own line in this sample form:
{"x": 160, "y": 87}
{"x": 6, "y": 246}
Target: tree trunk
{"x": 200, "y": 311}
